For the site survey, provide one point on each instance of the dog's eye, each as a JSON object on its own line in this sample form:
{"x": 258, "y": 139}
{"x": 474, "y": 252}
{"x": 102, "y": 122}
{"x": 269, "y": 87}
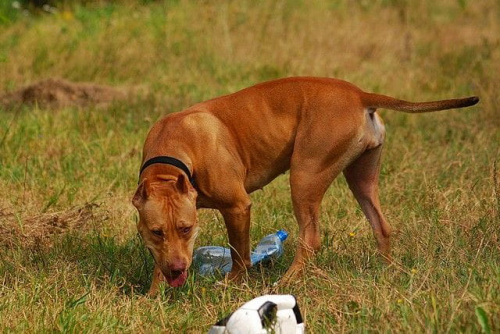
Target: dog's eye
{"x": 185, "y": 230}
{"x": 157, "y": 232}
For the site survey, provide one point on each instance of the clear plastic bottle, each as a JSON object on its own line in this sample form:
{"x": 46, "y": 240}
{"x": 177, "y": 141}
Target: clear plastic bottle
{"x": 271, "y": 246}
{"x": 211, "y": 259}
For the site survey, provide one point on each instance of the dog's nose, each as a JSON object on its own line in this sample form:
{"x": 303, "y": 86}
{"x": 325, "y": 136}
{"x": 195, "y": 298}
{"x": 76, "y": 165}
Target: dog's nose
{"x": 176, "y": 273}
{"x": 177, "y": 266}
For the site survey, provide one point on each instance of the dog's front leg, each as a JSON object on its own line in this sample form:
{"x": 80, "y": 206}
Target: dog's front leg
{"x": 157, "y": 279}
{"x": 237, "y": 220}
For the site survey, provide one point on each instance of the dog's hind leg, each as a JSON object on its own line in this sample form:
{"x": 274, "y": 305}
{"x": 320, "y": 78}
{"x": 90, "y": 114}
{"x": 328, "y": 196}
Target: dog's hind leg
{"x": 362, "y": 177}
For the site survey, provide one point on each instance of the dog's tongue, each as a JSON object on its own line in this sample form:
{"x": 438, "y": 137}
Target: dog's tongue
{"x": 177, "y": 280}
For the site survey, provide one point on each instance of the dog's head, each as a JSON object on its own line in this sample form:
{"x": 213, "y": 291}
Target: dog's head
{"x": 168, "y": 223}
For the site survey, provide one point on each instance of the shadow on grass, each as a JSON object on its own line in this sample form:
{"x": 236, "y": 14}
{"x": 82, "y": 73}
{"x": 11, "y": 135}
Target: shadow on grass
{"x": 91, "y": 258}
{"x": 126, "y": 264}
{"x": 97, "y": 258}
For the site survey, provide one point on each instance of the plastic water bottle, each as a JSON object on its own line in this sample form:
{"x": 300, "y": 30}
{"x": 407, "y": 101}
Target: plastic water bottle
{"x": 211, "y": 259}
{"x": 271, "y": 246}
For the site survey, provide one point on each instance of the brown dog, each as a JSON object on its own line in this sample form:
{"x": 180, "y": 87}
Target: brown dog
{"x": 215, "y": 153}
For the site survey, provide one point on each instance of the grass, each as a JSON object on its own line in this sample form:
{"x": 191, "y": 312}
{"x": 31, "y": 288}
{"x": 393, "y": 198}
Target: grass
{"x": 440, "y": 181}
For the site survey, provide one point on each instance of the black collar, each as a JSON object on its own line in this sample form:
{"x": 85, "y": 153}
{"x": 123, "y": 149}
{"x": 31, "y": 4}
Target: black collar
{"x": 168, "y": 161}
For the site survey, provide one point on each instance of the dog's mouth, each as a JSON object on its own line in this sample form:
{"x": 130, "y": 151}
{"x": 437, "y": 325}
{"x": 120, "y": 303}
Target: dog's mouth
{"x": 176, "y": 278}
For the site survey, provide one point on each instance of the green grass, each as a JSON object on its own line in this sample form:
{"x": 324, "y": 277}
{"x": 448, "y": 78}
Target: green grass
{"x": 440, "y": 183}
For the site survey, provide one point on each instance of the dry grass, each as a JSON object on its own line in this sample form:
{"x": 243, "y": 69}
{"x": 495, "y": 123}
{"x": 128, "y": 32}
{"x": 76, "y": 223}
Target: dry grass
{"x": 40, "y": 230}
{"x": 59, "y": 93}
{"x": 439, "y": 186}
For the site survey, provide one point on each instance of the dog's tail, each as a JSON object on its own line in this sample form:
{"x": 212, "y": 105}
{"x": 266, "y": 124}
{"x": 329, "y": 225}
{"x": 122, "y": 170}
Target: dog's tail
{"x": 374, "y": 101}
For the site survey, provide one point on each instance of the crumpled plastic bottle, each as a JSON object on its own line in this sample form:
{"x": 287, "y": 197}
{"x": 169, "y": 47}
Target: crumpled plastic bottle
{"x": 212, "y": 259}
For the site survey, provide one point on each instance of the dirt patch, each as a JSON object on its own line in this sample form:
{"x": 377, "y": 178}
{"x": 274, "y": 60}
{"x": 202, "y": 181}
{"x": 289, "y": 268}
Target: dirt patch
{"x": 58, "y": 93}
{"x": 40, "y": 230}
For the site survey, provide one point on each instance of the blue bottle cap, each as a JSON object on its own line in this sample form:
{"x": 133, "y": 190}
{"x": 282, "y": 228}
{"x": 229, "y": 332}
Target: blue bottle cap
{"x": 282, "y": 234}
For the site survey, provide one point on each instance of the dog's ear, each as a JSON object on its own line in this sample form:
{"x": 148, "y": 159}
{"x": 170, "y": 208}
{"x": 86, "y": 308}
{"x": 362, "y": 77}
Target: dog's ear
{"x": 182, "y": 184}
{"x": 140, "y": 195}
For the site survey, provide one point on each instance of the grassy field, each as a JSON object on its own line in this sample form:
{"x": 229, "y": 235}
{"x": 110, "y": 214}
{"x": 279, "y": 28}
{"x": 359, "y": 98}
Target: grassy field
{"x": 70, "y": 258}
